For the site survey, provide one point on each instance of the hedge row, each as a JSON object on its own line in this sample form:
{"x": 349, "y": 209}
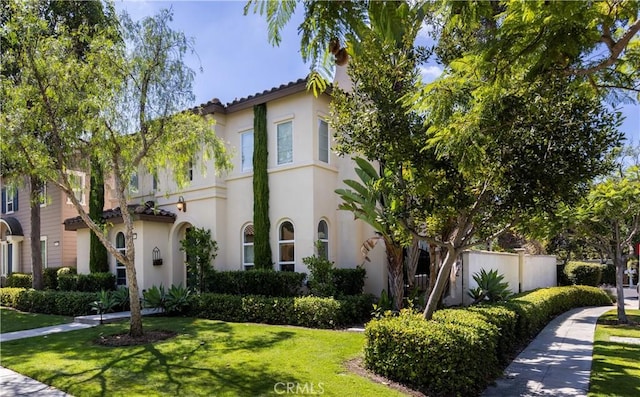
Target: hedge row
{"x": 307, "y": 311}
{"x": 65, "y": 279}
{"x": 48, "y": 302}
{"x": 584, "y": 273}
{"x": 255, "y": 282}
{"x": 460, "y": 351}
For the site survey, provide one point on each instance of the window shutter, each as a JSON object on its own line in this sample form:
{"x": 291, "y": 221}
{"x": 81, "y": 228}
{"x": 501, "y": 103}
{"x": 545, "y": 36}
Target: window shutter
{"x": 4, "y": 199}
{"x": 15, "y": 201}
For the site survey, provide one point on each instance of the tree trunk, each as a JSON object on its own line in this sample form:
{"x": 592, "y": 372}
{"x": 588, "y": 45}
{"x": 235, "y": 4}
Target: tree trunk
{"x": 396, "y": 277}
{"x": 36, "y": 248}
{"x": 440, "y": 284}
{"x": 620, "y": 263}
{"x": 412, "y": 262}
{"x": 434, "y": 262}
{"x": 135, "y": 327}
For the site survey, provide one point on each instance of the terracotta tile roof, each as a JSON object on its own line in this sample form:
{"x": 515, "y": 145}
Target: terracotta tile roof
{"x": 146, "y": 212}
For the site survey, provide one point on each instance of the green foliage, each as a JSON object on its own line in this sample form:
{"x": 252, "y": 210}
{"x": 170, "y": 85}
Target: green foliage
{"x": 582, "y": 273}
{"x": 307, "y": 311}
{"x": 92, "y": 282}
{"x": 48, "y": 302}
{"x": 98, "y": 258}
{"x": 321, "y": 281}
{"x": 67, "y": 270}
{"x": 470, "y": 345}
{"x": 349, "y": 281}
{"x": 50, "y": 278}
{"x": 490, "y": 287}
{"x": 174, "y": 301}
{"x": 68, "y": 282}
{"x": 19, "y": 280}
{"x": 104, "y": 303}
{"x": 261, "y": 223}
{"x": 201, "y": 250}
{"x": 256, "y": 282}
{"x": 121, "y": 297}
{"x": 384, "y": 305}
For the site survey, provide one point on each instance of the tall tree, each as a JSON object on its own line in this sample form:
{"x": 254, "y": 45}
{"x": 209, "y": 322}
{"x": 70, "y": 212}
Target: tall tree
{"x": 518, "y": 78}
{"x": 123, "y": 108}
{"x": 98, "y": 256}
{"x": 261, "y": 223}
{"x": 76, "y": 16}
{"x": 608, "y": 218}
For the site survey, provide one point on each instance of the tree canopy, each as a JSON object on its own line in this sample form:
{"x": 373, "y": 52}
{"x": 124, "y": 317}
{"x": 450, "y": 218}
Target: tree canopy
{"x": 122, "y": 106}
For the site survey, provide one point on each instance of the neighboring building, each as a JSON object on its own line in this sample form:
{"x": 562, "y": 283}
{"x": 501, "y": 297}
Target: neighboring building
{"x": 58, "y": 245}
{"x": 303, "y": 175}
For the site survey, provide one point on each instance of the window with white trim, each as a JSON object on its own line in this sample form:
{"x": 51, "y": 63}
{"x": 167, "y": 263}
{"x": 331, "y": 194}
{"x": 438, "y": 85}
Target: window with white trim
{"x": 133, "y": 183}
{"x": 323, "y": 141}
{"x": 247, "y": 151}
{"x": 43, "y": 251}
{"x": 248, "y": 235}
{"x": 77, "y": 181}
{"x": 42, "y": 195}
{"x": 286, "y": 247}
{"x": 10, "y": 199}
{"x": 323, "y": 240}
{"x": 121, "y": 271}
{"x": 285, "y": 142}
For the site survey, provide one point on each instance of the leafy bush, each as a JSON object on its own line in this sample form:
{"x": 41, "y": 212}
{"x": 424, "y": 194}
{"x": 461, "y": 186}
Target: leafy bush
{"x": 173, "y": 301}
{"x": 582, "y": 273}
{"x": 490, "y": 287}
{"x": 256, "y": 282}
{"x": 468, "y": 345}
{"x": 92, "y": 282}
{"x": 608, "y": 274}
{"x": 201, "y": 250}
{"x": 19, "y": 280}
{"x": 305, "y": 311}
{"x": 48, "y": 302}
{"x": 349, "y": 281}
{"x": 104, "y": 303}
{"x": 67, "y": 270}
{"x": 321, "y": 281}
{"x": 50, "y": 278}
{"x": 121, "y": 297}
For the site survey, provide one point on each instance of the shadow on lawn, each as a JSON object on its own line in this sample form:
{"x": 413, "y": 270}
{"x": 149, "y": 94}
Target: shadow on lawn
{"x": 605, "y": 373}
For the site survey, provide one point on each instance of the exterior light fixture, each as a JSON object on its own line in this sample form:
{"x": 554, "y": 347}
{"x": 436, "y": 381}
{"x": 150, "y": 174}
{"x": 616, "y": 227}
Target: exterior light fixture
{"x": 182, "y": 206}
{"x": 56, "y": 243}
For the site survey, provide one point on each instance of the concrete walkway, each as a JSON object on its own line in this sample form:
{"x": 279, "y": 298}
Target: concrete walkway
{"x": 558, "y": 361}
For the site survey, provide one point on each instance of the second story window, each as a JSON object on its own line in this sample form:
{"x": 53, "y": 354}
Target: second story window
{"x": 9, "y": 199}
{"x": 42, "y": 195}
{"x": 247, "y": 151}
{"x": 190, "y": 170}
{"x": 76, "y": 179}
{"x": 133, "y": 183}
{"x": 285, "y": 143}
{"x": 323, "y": 141}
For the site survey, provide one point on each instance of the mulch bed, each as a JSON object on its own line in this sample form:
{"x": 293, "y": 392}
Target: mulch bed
{"x": 357, "y": 367}
{"x": 124, "y": 339}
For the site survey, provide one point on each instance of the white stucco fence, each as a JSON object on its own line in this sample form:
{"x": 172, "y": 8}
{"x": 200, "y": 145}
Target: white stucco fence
{"x": 523, "y": 272}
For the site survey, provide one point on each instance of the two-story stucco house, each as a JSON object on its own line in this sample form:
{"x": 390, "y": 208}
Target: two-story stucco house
{"x": 58, "y": 245}
{"x": 302, "y": 173}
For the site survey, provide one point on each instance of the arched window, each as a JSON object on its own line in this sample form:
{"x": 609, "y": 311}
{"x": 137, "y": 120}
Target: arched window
{"x": 247, "y": 247}
{"x": 286, "y": 247}
{"x": 121, "y": 271}
{"x": 323, "y": 240}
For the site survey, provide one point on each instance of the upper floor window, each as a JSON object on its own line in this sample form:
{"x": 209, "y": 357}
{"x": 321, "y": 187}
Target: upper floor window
{"x": 155, "y": 182}
{"x": 77, "y": 181}
{"x": 190, "y": 170}
{"x": 285, "y": 143}
{"x": 9, "y": 199}
{"x": 323, "y": 141}
{"x": 247, "y": 151}
{"x": 286, "y": 247}
{"x": 42, "y": 195}
{"x": 247, "y": 247}
{"x": 323, "y": 240}
{"x": 43, "y": 251}
{"x": 133, "y": 183}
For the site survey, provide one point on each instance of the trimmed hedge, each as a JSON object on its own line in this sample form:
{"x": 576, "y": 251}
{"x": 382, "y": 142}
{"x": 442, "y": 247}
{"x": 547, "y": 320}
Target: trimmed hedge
{"x": 349, "y": 281}
{"x": 50, "y": 278}
{"x": 20, "y": 280}
{"x": 48, "y": 302}
{"x": 92, "y": 282}
{"x": 460, "y": 351}
{"x": 256, "y": 282}
{"x": 583, "y": 273}
{"x": 307, "y": 311}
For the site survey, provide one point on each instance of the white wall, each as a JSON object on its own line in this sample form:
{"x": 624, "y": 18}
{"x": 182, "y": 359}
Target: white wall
{"x": 539, "y": 271}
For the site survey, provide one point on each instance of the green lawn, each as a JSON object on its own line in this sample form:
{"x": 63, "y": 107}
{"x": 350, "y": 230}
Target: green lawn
{"x": 616, "y": 366}
{"x": 13, "y": 320}
{"x": 207, "y": 358}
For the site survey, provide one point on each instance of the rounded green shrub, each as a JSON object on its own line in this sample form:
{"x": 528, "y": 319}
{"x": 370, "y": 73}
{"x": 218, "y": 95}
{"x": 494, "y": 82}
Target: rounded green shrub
{"x": 583, "y": 273}
{"x": 19, "y": 280}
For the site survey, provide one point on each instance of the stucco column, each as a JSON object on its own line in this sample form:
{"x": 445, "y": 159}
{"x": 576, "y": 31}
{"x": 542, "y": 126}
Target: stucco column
{"x": 520, "y": 252}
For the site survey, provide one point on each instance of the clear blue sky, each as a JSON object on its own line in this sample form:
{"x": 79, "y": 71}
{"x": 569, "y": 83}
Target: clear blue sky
{"x": 237, "y": 59}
